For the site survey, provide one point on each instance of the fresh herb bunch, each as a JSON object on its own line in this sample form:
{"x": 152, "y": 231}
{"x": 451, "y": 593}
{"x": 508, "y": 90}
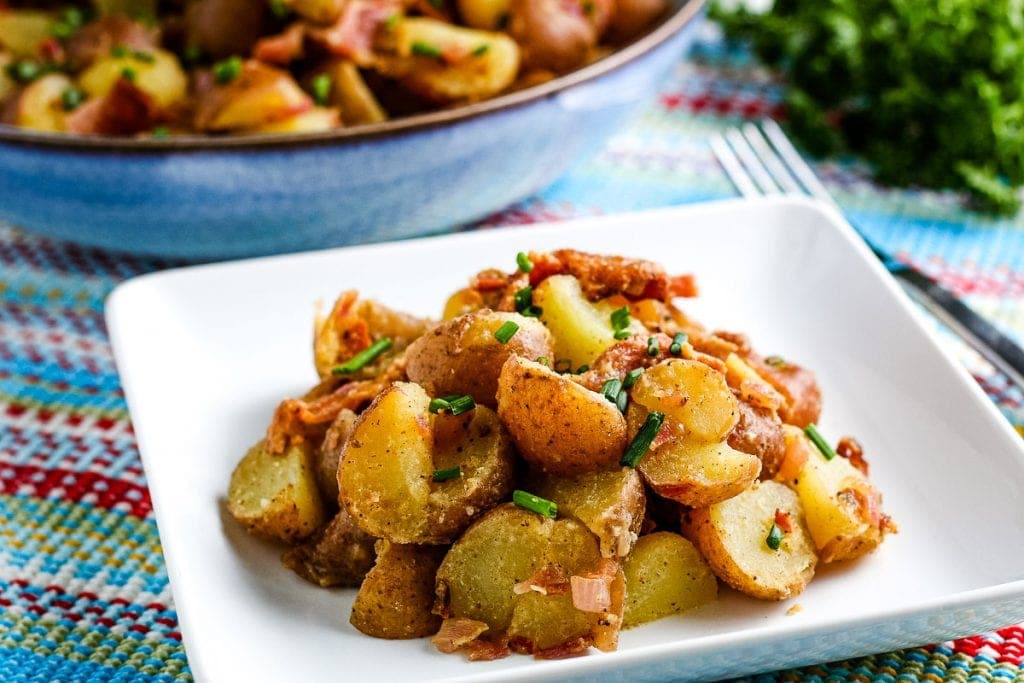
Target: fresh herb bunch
{"x": 931, "y": 93}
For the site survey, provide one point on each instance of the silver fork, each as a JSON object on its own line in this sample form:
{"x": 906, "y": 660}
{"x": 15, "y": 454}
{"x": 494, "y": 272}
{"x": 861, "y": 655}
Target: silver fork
{"x": 760, "y": 160}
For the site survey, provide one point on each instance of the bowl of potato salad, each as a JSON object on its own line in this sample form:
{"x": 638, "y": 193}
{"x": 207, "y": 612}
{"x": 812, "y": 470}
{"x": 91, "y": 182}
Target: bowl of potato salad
{"x": 225, "y": 128}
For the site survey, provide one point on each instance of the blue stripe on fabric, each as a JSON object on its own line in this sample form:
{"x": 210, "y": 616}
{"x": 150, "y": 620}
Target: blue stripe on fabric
{"x": 109, "y": 400}
{"x": 22, "y": 665}
{"x": 53, "y": 372}
{"x": 31, "y": 447}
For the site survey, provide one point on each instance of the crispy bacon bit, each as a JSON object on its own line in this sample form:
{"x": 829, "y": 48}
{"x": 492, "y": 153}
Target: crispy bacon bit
{"x": 487, "y": 651}
{"x": 51, "y": 50}
{"x": 783, "y": 520}
{"x": 283, "y": 48}
{"x": 591, "y": 592}
{"x": 352, "y": 35}
{"x": 849, "y": 448}
{"x": 549, "y": 580}
{"x": 125, "y": 110}
{"x": 796, "y": 384}
{"x": 456, "y": 634}
{"x": 867, "y": 501}
{"x": 602, "y": 276}
{"x": 453, "y": 54}
{"x": 573, "y": 648}
{"x": 663, "y": 436}
{"x": 489, "y": 280}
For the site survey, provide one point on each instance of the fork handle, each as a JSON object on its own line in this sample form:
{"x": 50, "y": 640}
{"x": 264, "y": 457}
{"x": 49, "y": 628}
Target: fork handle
{"x": 984, "y": 337}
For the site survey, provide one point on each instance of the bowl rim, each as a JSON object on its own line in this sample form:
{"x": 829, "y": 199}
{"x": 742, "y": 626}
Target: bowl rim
{"x": 671, "y": 25}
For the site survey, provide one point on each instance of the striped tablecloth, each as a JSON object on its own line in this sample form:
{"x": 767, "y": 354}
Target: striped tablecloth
{"x": 84, "y": 594}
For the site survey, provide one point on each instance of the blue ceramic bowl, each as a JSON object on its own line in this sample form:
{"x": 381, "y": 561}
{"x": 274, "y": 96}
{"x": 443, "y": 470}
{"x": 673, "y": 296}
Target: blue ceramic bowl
{"x": 206, "y": 198}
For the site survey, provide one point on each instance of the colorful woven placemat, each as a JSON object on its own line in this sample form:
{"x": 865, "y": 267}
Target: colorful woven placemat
{"x": 84, "y": 594}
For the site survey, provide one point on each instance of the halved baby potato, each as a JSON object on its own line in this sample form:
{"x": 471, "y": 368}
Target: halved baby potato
{"x": 158, "y": 73}
{"x": 581, "y": 329}
{"x": 513, "y": 569}
{"x": 276, "y": 496}
{"x": 733, "y": 537}
{"x": 559, "y": 426}
{"x": 462, "y": 356}
{"x": 39, "y": 106}
{"x": 691, "y": 394}
{"x": 388, "y": 463}
{"x": 338, "y": 554}
{"x": 315, "y": 120}
{"x": 610, "y": 503}
{"x": 23, "y": 31}
{"x": 396, "y": 598}
{"x": 665, "y": 574}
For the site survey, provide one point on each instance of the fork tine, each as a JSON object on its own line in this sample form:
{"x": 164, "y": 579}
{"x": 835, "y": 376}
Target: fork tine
{"x": 755, "y": 169}
{"x": 770, "y": 159}
{"x": 795, "y": 163}
{"x": 733, "y": 168}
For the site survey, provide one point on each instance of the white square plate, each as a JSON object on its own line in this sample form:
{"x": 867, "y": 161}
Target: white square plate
{"x": 205, "y": 354}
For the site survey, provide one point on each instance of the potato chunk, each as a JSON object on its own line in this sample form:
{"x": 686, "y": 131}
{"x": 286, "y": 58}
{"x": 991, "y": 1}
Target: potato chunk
{"x": 339, "y": 554}
{"x": 610, "y": 503}
{"x": 692, "y": 394}
{"x": 157, "y": 73}
{"x": 560, "y": 427}
{"x": 698, "y": 474}
{"x": 843, "y": 509}
{"x": 388, "y": 462}
{"x": 23, "y": 31}
{"x": 582, "y": 331}
{"x": 665, "y": 574}
{"x": 397, "y": 596}
{"x": 732, "y": 536}
{"x": 447, "y": 63}
{"x": 276, "y": 496}
{"x": 462, "y": 356}
{"x": 525, "y": 591}
{"x": 39, "y": 105}
{"x": 484, "y": 14}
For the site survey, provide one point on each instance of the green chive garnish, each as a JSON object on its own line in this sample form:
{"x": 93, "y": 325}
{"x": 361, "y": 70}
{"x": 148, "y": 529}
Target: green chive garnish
{"x": 775, "y": 361}
{"x": 481, "y": 50}
{"x": 528, "y": 501}
{"x": 227, "y": 70}
{"x": 161, "y": 132}
{"x": 818, "y": 440}
{"x": 278, "y": 8}
{"x": 363, "y": 358}
{"x": 321, "y": 86}
{"x": 677, "y": 343}
{"x": 119, "y": 51}
{"x": 563, "y": 365}
{"x": 458, "y": 405}
{"x": 631, "y": 377}
{"x": 506, "y": 331}
{"x": 653, "y": 348}
{"x": 581, "y": 369}
{"x": 621, "y": 401}
{"x": 146, "y": 57}
{"x": 524, "y": 298}
{"x": 523, "y": 261}
{"x": 774, "y": 539}
{"x": 71, "y": 98}
{"x": 610, "y": 389}
{"x": 128, "y": 73}
{"x": 192, "y": 54}
{"x": 637, "y": 448}
{"x": 543, "y": 360}
{"x": 425, "y": 49}
{"x": 623, "y": 334}
{"x": 437, "y": 405}
{"x": 448, "y": 473}
{"x": 620, "y": 318}
{"x": 392, "y": 21}
{"x": 24, "y": 71}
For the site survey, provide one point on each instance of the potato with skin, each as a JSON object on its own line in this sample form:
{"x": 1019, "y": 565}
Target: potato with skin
{"x": 559, "y": 427}
{"x": 158, "y": 74}
{"x": 665, "y": 574}
{"x": 610, "y": 503}
{"x": 329, "y": 454}
{"x": 525, "y": 591}
{"x": 396, "y": 598}
{"x": 732, "y": 536}
{"x": 797, "y": 385}
{"x": 338, "y": 554}
{"x": 23, "y": 31}
{"x": 462, "y": 356}
{"x": 315, "y": 120}
{"x": 396, "y": 445}
{"x": 692, "y": 394}
{"x": 351, "y": 94}
{"x": 260, "y": 95}
{"x": 39, "y": 105}
{"x": 843, "y": 510}
{"x": 276, "y": 496}
{"x": 759, "y": 432}
{"x": 582, "y": 331}
{"x": 631, "y": 17}
{"x": 554, "y": 35}
{"x": 485, "y": 14}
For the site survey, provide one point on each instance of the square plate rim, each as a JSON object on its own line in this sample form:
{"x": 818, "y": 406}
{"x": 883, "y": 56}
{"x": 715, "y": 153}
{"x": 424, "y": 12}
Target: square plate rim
{"x": 828, "y": 219}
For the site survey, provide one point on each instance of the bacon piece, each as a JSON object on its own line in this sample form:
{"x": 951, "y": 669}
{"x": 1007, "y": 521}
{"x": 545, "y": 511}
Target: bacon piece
{"x": 98, "y": 37}
{"x": 591, "y": 592}
{"x": 573, "y": 648}
{"x": 783, "y": 521}
{"x": 849, "y": 448}
{"x": 487, "y": 650}
{"x": 602, "y": 276}
{"x": 125, "y": 110}
{"x": 283, "y": 48}
{"x": 549, "y": 580}
{"x": 352, "y": 35}
{"x": 796, "y": 384}
{"x": 457, "y": 633}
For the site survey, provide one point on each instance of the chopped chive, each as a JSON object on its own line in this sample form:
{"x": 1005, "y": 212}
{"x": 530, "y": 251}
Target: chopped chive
{"x": 71, "y": 98}
{"x": 620, "y": 318}
{"x": 775, "y": 361}
{"x": 543, "y": 360}
{"x": 677, "y": 343}
{"x": 119, "y": 51}
{"x": 146, "y": 57}
{"x": 481, "y": 50}
{"x": 524, "y": 298}
{"x": 392, "y": 21}
{"x": 192, "y": 54}
{"x": 458, "y": 405}
{"x": 24, "y": 71}
{"x": 227, "y": 70}
{"x": 448, "y": 473}
{"x": 363, "y": 358}
{"x": 523, "y": 261}
{"x": 588, "y": 7}
{"x": 278, "y": 8}
{"x": 623, "y": 334}
{"x": 129, "y": 73}
{"x": 437, "y": 405}
{"x": 528, "y": 501}
{"x": 653, "y": 348}
{"x": 581, "y": 369}
{"x": 818, "y": 440}
{"x": 610, "y": 389}
{"x": 161, "y": 132}
{"x": 631, "y": 377}
{"x": 774, "y": 539}
{"x": 637, "y": 448}
{"x": 321, "y": 86}
{"x": 507, "y": 330}
{"x": 533, "y": 312}
{"x": 621, "y": 401}
{"x": 425, "y": 49}
{"x": 563, "y": 365}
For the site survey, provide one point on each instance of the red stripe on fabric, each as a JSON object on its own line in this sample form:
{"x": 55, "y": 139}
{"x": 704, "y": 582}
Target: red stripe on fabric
{"x": 707, "y": 103}
{"x": 70, "y": 486}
